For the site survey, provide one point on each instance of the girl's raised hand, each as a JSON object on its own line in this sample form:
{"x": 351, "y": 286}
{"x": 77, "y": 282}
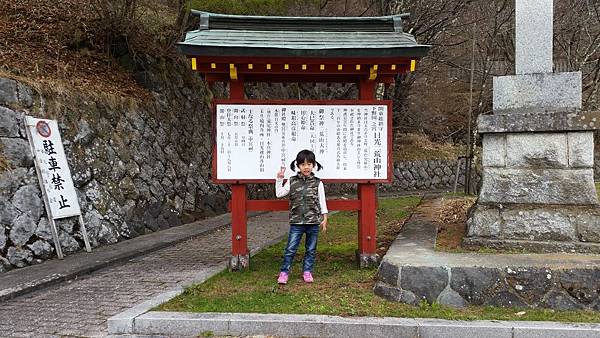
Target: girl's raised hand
{"x": 281, "y": 172}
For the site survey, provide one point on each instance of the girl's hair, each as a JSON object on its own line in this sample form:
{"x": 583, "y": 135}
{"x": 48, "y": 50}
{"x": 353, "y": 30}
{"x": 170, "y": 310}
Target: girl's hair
{"x": 305, "y": 156}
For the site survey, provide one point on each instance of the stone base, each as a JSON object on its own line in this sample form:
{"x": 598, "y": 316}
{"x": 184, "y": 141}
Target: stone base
{"x": 564, "y": 228}
{"x": 367, "y": 260}
{"x": 538, "y": 186}
{"x": 560, "y": 121}
{"x": 239, "y": 263}
{"x": 476, "y": 243}
{"x": 538, "y": 168}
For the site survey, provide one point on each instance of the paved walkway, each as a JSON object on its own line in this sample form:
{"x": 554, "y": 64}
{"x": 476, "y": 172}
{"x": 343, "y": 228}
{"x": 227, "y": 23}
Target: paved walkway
{"x": 80, "y": 307}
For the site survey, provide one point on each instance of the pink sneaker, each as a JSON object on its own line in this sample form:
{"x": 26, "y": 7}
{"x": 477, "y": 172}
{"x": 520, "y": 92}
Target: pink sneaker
{"x": 308, "y": 278}
{"x": 283, "y": 278}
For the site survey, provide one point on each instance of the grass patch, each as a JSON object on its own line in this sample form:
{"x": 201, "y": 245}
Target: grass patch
{"x": 414, "y": 147}
{"x": 340, "y": 287}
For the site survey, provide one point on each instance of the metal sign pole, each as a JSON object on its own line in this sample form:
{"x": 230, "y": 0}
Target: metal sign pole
{"x": 59, "y": 252}
{"x": 456, "y": 173}
{"x": 53, "y": 229}
{"x": 88, "y": 248}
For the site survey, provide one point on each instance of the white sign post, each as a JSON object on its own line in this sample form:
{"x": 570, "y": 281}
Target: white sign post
{"x": 54, "y": 176}
{"x": 254, "y": 140}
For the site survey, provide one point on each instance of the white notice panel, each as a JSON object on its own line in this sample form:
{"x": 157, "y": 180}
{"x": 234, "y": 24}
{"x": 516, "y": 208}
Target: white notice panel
{"x": 54, "y": 169}
{"x": 254, "y": 140}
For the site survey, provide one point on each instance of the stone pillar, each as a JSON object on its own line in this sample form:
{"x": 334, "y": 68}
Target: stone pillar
{"x": 533, "y": 41}
{"x": 538, "y": 188}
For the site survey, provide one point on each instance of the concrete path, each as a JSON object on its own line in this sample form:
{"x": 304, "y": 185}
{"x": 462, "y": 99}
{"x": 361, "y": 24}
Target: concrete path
{"x": 81, "y": 307}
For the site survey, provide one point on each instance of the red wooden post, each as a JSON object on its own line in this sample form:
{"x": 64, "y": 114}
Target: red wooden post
{"x": 366, "y": 89}
{"x": 236, "y": 89}
{"x": 240, "y": 258}
{"x": 367, "y": 229}
{"x": 239, "y": 233}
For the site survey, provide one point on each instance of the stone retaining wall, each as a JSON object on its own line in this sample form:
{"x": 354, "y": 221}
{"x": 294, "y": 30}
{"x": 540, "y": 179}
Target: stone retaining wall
{"x": 136, "y": 169}
{"x": 559, "y": 289}
{"x": 432, "y": 175}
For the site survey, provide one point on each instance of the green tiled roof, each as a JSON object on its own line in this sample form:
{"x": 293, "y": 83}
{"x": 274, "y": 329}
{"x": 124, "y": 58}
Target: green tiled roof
{"x": 236, "y": 35}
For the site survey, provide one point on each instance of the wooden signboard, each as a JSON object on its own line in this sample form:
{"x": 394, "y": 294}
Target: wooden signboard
{"x": 253, "y": 139}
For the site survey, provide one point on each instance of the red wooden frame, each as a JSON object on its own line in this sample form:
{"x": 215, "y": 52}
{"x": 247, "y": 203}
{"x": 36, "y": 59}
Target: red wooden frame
{"x": 303, "y": 60}
{"x": 283, "y": 205}
{"x": 388, "y": 103}
{"x": 310, "y": 78}
{"x": 217, "y": 69}
{"x": 366, "y": 204}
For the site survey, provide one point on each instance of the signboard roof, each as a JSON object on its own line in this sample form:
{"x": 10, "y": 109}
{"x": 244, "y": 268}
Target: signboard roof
{"x": 272, "y": 36}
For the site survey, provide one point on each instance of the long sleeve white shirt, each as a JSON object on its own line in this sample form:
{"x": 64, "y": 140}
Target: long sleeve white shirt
{"x": 282, "y": 190}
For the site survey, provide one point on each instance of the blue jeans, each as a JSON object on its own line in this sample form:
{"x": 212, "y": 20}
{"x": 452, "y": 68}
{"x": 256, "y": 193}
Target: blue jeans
{"x": 294, "y": 237}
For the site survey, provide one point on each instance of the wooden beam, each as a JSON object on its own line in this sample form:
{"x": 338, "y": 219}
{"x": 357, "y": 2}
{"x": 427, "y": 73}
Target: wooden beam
{"x": 283, "y": 205}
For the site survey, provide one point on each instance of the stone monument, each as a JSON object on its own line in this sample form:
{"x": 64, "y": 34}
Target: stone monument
{"x": 538, "y": 190}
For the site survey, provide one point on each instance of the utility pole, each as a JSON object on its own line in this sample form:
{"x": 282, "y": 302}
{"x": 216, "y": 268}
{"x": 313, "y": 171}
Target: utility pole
{"x": 469, "y": 158}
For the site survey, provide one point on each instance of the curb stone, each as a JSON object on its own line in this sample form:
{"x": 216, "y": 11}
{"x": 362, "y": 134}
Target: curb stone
{"x": 183, "y": 324}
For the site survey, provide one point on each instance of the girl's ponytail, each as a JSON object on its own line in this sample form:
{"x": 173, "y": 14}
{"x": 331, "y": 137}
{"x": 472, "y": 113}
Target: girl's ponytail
{"x": 292, "y": 166}
{"x": 318, "y": 165}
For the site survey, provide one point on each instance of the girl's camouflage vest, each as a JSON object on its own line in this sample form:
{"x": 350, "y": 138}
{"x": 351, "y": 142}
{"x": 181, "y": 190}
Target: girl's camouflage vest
{"x": 304, "y": 199}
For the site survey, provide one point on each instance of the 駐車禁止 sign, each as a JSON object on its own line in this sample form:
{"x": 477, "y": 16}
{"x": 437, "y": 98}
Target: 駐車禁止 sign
{"x": 54, "y": 170}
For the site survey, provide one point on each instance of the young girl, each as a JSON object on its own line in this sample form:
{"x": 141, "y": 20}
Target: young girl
{"x": 308, "y": 210}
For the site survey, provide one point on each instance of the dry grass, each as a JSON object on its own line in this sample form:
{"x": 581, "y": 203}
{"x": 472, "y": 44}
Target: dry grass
{"x": 453, "y": 217}
{"x": 411, "y": 147}
{"x": 59, "y": 45}
{"x": 4, "y": 163}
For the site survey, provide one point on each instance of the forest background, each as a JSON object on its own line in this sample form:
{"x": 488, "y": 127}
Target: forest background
{"x": 96, "y": 46}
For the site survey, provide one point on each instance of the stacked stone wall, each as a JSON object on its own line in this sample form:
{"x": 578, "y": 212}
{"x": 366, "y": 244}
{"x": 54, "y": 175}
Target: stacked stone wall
{"x": 432, "y": 175}
{"x": 521, "y": 287}
{"x": 137, "y": 168}
{"x": 417, "y": 176}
